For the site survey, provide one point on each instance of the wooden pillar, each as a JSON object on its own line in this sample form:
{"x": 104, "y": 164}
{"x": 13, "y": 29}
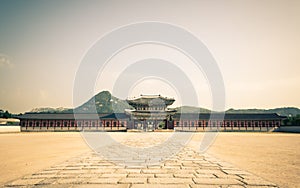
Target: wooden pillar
{"x": 259, "y": 124}
{"x": 167, "y": 124}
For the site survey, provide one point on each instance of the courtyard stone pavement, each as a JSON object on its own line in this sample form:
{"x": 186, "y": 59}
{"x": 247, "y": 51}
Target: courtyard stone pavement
{"x": 188, "y": 168}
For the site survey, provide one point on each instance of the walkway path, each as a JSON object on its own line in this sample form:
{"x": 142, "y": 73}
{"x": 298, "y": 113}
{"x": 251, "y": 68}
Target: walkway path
{"x": 187, "y": 169}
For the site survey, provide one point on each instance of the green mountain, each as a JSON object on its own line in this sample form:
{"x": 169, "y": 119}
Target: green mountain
{"x": 285, "y": 111}
{"x": 51, "y": 110}
{"x": 191, "y": 109}
{"x": 103, "y": 102}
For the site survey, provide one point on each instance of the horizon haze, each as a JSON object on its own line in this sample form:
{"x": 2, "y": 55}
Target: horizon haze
{"x": 254, "y": 43}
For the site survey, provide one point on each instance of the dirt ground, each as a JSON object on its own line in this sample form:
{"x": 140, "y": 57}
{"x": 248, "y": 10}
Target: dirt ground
{"x": 26, "y": 153}
{"x": 273, "y": 156}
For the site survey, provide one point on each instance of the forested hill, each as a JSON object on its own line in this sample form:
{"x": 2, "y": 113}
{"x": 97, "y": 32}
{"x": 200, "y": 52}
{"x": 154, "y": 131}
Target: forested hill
{"x": 285, "y": 111}
{"x": 105, "y": 102}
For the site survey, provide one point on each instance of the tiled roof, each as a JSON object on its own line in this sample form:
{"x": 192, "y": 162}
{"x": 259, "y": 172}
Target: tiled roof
{"x": 150, "y": 100}
{"x": 229, "y": 116}
{"x": 116, "y": 116}
{"x": 68, "y": 116}
{"x": 177, "y": 116}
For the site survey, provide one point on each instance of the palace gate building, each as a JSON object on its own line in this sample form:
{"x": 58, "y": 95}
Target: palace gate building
{"x": 150, "y": 113}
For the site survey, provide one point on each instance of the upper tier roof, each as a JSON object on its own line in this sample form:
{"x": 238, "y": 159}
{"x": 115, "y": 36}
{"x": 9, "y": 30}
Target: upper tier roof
{"x": 150, "y": 100}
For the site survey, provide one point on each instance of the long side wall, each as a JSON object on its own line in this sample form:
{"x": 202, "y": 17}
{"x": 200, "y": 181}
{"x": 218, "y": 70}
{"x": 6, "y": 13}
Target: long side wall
{"x": 122, "y": 125}
{"x": 73, "y": 125}
{"x": 226, "y": 125}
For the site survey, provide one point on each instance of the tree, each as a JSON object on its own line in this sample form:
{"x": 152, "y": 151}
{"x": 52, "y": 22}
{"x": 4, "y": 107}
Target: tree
{"x": 292, "y": 121}
{"x": 6, "y": 114}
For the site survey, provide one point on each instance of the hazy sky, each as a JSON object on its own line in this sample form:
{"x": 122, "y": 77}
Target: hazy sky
{"x": 255, "y": 44}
